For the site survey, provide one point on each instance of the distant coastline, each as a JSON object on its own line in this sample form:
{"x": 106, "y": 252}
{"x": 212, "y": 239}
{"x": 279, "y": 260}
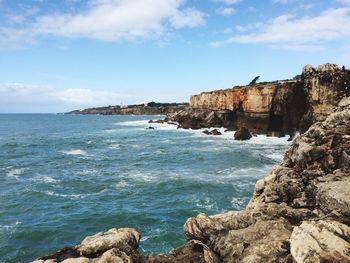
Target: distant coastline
{"x": 151, "y": 108}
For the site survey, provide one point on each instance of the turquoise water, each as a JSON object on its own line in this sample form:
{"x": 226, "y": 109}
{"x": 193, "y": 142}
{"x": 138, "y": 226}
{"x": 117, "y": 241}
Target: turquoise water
{"x": 65, "y": 177}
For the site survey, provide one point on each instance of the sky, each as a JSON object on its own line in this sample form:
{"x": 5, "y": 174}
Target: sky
{"x": 61, "y": 55}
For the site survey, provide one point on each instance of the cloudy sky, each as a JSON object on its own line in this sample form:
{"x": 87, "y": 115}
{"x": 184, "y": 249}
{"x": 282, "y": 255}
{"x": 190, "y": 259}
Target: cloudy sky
{"x": 60, "y": 55}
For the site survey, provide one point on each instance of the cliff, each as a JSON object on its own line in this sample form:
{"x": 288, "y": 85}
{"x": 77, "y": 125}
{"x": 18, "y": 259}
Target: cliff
{"x": 300, "y": 212}
{"x": 151, "y": 108}
{"x": 278, "y": 108}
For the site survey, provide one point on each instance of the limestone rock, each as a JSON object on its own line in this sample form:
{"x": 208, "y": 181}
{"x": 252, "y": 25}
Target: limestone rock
{"x": 118, "y": 244}
{"x": 194, "y": 251}
{"x": 320, "y": 241}
{"x": 124, "y": 239}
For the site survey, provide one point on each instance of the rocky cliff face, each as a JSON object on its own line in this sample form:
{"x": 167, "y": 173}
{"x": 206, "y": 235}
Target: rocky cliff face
{"x": 280, "y": 107}
{"x": 300, "y": 212}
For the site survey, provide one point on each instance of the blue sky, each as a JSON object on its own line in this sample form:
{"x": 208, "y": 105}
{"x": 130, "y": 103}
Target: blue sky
{"x": 62, "y": 55}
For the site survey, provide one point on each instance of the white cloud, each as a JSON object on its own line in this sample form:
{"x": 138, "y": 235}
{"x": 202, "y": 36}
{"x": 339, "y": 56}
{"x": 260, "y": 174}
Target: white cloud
{"x": 225, "y": 11}
{"x": 284, "y": 2}
{"x": 16, "y": 97}
{"x": 289, "y": 31}
{"x": 111, "y": 20}
{"x": 344, "y": 2}
{"x": 227, "y": 2}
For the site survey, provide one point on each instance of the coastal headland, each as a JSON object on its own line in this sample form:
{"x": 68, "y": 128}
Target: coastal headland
{"x": 300, "y": 212}
{"x": 151, "y": 108}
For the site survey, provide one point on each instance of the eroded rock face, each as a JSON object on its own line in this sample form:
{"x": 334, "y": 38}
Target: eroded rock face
{"x": 277, "y": 108}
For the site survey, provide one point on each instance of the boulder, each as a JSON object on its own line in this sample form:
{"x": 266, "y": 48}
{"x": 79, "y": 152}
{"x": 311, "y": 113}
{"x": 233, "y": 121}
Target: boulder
{"x": 116, "y": 243}
{"x": 216, "y": 132}
{"x": 242, "y": 134}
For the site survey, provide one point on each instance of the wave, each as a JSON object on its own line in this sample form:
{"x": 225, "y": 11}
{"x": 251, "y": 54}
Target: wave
{"x": 132, "y": 123}
{"x": 10, "y": 227}
{"x": 229, "y": 135}
{"x": 71, "y": 196}
{"x": 45, "y": 179}
{"x": 114, "y": 146}
{"x": 206, "y": 204}
{"x": 75, "y": 152}
{"x": 121, "y": 185}
{"x": 16, "y": 172}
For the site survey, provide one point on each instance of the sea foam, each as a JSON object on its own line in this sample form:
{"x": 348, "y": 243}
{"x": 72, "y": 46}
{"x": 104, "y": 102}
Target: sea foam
{"x": 75, "y": 152}
{"x": 16, "y": 172}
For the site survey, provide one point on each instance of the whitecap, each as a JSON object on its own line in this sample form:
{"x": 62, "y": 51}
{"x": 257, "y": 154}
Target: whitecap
{"x": 45, "y": 179}
{"x": 10, "y": 227}
{"x": 229, "y": 135}
{"x": 114, "y": 146}
{"x": 141, "y": 176}
{"x": 206, "y": 204}
{"x": 16, "y": 172}
{"x": 75, "y": 152}
{"x": 121, "y": 185}
{"x": 51, "y": 193}
{"x": 72, "y": 196}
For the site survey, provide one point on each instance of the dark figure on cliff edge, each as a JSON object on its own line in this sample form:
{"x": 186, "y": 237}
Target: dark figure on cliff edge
{"x": 343, "y": 68}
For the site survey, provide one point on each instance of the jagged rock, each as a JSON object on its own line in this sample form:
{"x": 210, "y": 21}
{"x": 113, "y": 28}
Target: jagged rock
{"x": 308, "y": 70}
{"x": 190, "y": 118}
{"x": 320, "y": 241}
{"x": 242, "y": 134}
{"x": 328, "y": 67}
{"x": 207, "y": 132}
{"x": 194, "y": 251}
{"x": 216, "y": 132}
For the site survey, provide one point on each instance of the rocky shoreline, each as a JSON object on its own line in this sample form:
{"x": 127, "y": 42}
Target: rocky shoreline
{"x": 300, "y": 212}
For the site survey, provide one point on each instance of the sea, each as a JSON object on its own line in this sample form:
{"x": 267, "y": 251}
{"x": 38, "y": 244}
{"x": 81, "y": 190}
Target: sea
{"x": 64, "y": 177}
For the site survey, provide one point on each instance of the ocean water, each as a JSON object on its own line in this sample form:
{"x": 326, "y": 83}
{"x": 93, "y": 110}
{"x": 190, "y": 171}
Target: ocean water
{"x": 64, "y": 177}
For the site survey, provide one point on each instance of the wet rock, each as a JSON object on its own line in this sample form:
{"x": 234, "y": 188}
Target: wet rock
{"x": 150, "y": 128}
{"x": 216, "y": 132}
{"x": 207, "y": 132}
{"x": 242, "y": 134}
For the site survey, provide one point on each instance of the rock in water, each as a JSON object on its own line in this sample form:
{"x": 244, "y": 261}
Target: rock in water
{"x": 207, "y": 132}
{"x": 216, "y": 132}
{"x": 242, "y": 134}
